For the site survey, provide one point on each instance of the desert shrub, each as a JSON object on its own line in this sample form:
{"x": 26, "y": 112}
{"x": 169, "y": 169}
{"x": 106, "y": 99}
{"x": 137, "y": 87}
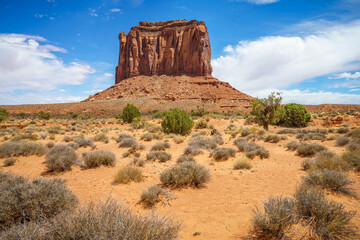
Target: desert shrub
{"x": 97, "y": 158}
{"x": 127, "y": 142}
{"x": 342, "y": 141}
{"x": 328, "y": 160}
{"x": 330, "y": 220}
{"x": 43, "y": 135}
{"x": 60, "y": 158}
{"x": 150, "y": 136}
{"x": 73, "y": 145}
{"x": 277, "y": 216}
{"x": 122, "y": 136}
{"x": 272, "y": 138}
{"x": 307, "y": 164}
{"x": 353, "y": 158}
{"x": 177, "y": 121}
{"x": 44, "y": 115}
{"x": 179, "y": 139}
{"x": 9, "y": 162}
{"x": 251, "y": 149}
{"x": 223, "y": 154}
{"x": 199, "y": 112}
{"x": 287, "y": 131}
{"x": 185, "y": 174}
{"x": 127, "y": 174}
{"x": 3, "y": 114}
{"x": 294, "y": 115}
{"x": 354, "y": 134}
{"x": 311, "y": 136}
{"x": 329, "y": 179}
{"x": 67, "y": 139}
{"x": 292, "y": 146}
{"x": 160, "y": 146}
{"x": 201, "y": 124}
{"x": 242, "y": 163}
{"x": 101, "y": 137}
{"x": 23, "y": 200}
{"x": 185, "y": 158}
{"x": 265, "y": 110}
{"x": 193, "y": 151}
{"x": 353, "y": 146}
{"x": 342, "y": 130}
{"x": 155, "y": 194}
{"x": 130, "y": 112}
{"x": 138, "y": 162}
{"x": 104, "y": 220}
{"x": 152, "y": 128}
{"x": 9, "y": 149}
{"x": 55, "y": 129}
{"x": 202, "y": 142}
{"x": 136, "y": 147}
{"x": 309, "y": 149}
{"x": 50, "y": 145}
{"x": 139, "y": 123}
{"x": 245, "y": 132}
{"x": 161, "y": 156}
{"x": 84, "y": 142}
{"x": 261, "y": 152}
{"x": 25, "y": 136}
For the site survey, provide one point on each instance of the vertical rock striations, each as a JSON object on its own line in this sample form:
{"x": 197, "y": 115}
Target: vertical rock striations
{"x": 171, "y": 48}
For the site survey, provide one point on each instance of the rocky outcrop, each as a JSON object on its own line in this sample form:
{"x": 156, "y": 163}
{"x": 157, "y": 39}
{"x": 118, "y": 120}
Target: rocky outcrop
{"x": 170, "y": 48}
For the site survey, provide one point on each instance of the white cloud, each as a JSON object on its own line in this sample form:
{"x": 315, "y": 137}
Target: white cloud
{"x": 346, "y": 75}
{"x": 25, "y": 64}
{"x": 280, "y": 61}
{"x": 261, "y": 2}
{"x": 92, "y": 91}
{"x": 9, "y": 99}
{"x": 307, "y": 97}
{"x": 108, "y": 74}
{"x": 38, "y": 15}
{"x": 92, "y": 12}
{"x": 115, "y": 10}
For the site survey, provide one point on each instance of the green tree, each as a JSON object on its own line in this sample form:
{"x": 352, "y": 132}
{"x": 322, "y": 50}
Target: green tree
{"x": 130, "y": 112}
{"x": 294, "y": 115}
{"x": 177, "y": 121}
{"x": 44, "y": 115}
{"x": 3, "y": 114}
{"x": 265, "y": 110}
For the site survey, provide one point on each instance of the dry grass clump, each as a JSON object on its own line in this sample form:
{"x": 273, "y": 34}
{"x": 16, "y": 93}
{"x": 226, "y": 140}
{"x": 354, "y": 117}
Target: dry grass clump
{"x": 353, "y": 146}
{"x": 242, "y": 163}
{"x": 128, "y": 174}
{"x": 161, "y": 156}
{"x": 185, "y": 158}
{"x": 23, "y": 200}
{"x": 138, "y": 162}
{"x": 155, "y": 194}
{"x": 97, "y": 158}
{"x": 292, "y": 146}
{"x": 223, "y": 154}
{"x": 60, "y": 158}
{"x": 251, "y": 149}
{"x": 50, "y": 145}
{"x": 311, "y": 136}
{"x": 103, "y": 220}
{"x": 353, "y": 158}
{"x": 101, "y": 137}
{"x": 10, "y": 149}
{"x": 287, "y": 131}
{"x": 84, "y": 142}
{"x": 278, "y": 215}
{"x": 150, "y": 136}
{"x": 201, "y": 124}
{"x": 342, "y": 141}
{"x": 309, "y": 214}
{"x": 328, "y": 160}
{"x": 9, "y": 162}
{"x": 178, "y": 139}
{"x": 272, "y": 138}
{"x": 330, "y": 179}
{"x": 185, "y": 174}
{"x": 122, "y": 136}
{"x": 127, "y": 142}
{"x": 193, "y": 151}
{"x": 160, "y": 146}
{"x": 197, "y": 141}
{"x": 342, "y": 130}
{"x": 309, "y": 149}
{"x": 25, "y": 136}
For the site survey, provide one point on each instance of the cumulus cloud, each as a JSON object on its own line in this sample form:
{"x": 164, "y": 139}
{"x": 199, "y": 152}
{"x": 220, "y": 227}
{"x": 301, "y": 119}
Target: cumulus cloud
{"x": 28, "y": 64}
{"x": 308, "y": 97}
{"x": 346, "y": 75}
{"x": 281, "y": 61}
{"x": 33, "y": 98}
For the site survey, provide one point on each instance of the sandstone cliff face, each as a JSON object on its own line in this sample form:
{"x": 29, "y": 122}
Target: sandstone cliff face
{"x": 171, "y": 48}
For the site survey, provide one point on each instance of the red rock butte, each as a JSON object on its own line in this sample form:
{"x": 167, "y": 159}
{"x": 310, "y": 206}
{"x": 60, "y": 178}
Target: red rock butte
{"x": 169, "y": 61}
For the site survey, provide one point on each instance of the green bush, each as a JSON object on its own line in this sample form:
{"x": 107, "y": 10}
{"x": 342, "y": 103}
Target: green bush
{"x": 130, "y": 112}
{"x": 23, "y": 200}
{"x": 44, "y": 115}
{"x": 185, "y": 174}
{"x": 294, "y": 115}
{"x": 60, "y": 158}
{"x": 3, "y": 114}
{"x": 177, "y": 121}
{"x": 97, "y": 158}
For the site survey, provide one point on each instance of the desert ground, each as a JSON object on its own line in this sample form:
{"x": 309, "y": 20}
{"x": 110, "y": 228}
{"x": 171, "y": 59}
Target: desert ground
{"x": 220, "y": 209}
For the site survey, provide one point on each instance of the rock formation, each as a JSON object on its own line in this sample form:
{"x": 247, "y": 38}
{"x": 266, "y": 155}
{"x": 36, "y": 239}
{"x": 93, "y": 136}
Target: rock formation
{"x": 166, "y": 62}
{"x": 171, "y": 48}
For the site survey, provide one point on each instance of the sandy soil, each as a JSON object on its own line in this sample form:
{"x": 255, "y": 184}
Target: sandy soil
{"x": 220, "y": 210}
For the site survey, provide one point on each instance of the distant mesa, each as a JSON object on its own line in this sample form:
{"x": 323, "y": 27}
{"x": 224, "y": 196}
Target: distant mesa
{"x": 169, "y": 61}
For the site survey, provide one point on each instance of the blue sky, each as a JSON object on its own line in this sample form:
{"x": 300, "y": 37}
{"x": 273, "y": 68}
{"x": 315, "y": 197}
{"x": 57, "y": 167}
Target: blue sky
{"x": 63, "y": 51}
